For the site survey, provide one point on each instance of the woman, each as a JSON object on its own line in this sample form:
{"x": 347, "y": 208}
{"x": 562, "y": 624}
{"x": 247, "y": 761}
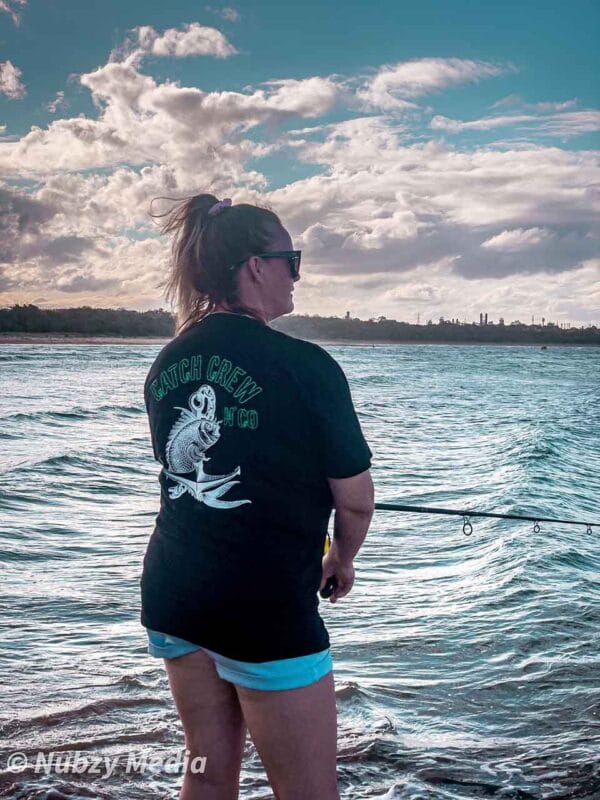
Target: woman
{"x": 258, "y": 441}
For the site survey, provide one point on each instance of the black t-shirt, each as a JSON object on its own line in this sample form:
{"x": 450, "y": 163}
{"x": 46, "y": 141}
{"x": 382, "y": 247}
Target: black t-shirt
{"x": 247, "y": 423}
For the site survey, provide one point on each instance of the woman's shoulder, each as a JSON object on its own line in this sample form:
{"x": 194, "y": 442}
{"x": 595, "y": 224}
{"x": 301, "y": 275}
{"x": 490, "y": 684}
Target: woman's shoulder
{"x": 311, "y": 362}
{"x": 304, "y": 348}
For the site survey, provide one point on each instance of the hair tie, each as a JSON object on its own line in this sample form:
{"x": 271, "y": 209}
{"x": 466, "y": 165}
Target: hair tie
{"x": 218, "y": 207}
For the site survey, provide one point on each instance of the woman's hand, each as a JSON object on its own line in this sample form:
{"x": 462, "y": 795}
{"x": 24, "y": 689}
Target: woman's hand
{"x": 343, "y": 573}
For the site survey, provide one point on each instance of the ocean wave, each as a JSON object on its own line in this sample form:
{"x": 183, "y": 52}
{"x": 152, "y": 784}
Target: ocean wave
{"x": 73, "y": 414}
{"x": 98, "y": 707}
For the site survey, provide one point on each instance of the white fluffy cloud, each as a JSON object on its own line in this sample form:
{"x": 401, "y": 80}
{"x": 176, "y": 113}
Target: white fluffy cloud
{"x": 142, "y": 122}
{"x": 518, "y": 239}
{"x": 10, "y": 81}
{"x": 58, "y": 103}
{"x": 393, "y": 86}
{"x": 191, "y": 40}
{"x": 12, "y": 7}
{"x": 390, "y": 224}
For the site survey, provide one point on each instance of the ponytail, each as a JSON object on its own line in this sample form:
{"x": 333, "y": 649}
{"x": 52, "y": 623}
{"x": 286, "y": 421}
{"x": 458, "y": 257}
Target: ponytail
{"x": 204, "y": 248}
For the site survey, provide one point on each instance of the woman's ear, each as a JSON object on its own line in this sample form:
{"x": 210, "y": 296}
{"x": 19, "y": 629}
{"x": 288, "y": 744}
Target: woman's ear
{"x": 255, "y": 268}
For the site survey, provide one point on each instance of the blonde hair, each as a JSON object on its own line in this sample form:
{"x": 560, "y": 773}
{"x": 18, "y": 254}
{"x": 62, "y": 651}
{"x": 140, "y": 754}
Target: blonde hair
{"x": 203, "y": 250}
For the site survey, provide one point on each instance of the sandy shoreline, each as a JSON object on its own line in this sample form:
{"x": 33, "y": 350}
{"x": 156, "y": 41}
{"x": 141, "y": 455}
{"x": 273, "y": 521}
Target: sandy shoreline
{"x": 32, "y": 338}
{"x": 45, "y": 339}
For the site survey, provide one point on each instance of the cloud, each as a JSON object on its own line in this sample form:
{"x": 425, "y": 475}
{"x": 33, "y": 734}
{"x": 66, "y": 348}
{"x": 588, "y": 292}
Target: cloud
{"x": 192, "y": 39}
{"x": 570, "y": 123}
{"x": 388, "y": 223}
{"x": 393, "y": 86}
{"x": 516, "y": 100}
{"x": 107, "y": 205}
{"x": 518, "y": 239}
{"x": 388, "y": 209}
{"x": 382, "y": 209}
{"x": 59, "y": 102}
{"x": 124, "y": 272}
{"x": 25, "y": 234}
{"x": 142, "y": 122}
{"x": 11, "y": 7}
{"x": 75, "y": 282}
{"x": 10, "y": 81}
{"x": 230, "y": 14}
{"x": 359, "y": 143}
{"x": 20, "y": 218}
{"x": 456, "y": 126}
{"x": 310, "y": 97}
{"x": 227, "y": 12}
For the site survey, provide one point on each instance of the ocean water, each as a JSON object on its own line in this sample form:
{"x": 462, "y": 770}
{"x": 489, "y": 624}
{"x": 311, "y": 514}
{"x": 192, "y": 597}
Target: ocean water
{"x": 465, "y": 667}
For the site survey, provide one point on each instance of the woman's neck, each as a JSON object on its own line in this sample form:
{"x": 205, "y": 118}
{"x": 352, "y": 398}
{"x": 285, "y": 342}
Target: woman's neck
{"x": 225, "y": 310}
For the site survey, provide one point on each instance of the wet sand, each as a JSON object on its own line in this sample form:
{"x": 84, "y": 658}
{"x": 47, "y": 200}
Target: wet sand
{"x": 57, "y": 338}
{"x": 42, "y": 338}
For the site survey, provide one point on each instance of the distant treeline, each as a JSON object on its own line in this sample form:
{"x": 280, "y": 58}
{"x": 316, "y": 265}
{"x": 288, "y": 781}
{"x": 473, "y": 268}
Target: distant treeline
{"x": 381, "y": 329}
{"x": 87, "y": 321}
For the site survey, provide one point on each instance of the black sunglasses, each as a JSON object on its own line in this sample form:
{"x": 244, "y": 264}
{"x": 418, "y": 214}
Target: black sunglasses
{"x": 291, "y": 256}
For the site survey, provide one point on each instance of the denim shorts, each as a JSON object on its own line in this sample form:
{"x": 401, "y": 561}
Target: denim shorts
{"x": 287, "y": 673}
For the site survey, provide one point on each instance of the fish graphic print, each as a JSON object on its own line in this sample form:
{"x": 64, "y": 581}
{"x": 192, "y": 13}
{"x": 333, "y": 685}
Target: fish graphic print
{"x": 191, "y": 436}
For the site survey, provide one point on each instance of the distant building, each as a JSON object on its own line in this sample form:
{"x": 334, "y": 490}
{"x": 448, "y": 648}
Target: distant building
{"x": 485, "y": 323}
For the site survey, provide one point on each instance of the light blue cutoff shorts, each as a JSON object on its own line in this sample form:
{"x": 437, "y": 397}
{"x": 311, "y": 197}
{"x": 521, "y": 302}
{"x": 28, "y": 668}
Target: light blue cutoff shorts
{"x": 287, "y": 673}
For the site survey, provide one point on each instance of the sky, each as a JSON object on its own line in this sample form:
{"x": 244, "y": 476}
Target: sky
{"x": 431, "y": 159}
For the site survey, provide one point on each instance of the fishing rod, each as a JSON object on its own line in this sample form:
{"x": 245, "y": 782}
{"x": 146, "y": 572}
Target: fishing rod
{"x": 468, "y": 528}
{"x": 331, "y": 583}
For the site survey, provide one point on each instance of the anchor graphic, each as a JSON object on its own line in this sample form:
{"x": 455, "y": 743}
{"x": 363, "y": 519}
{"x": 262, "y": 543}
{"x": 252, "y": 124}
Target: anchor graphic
{"x": 194, "y": 432}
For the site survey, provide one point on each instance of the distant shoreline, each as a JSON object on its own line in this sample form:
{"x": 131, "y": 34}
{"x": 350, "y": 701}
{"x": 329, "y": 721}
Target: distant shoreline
{"x": 49, "y": 338}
